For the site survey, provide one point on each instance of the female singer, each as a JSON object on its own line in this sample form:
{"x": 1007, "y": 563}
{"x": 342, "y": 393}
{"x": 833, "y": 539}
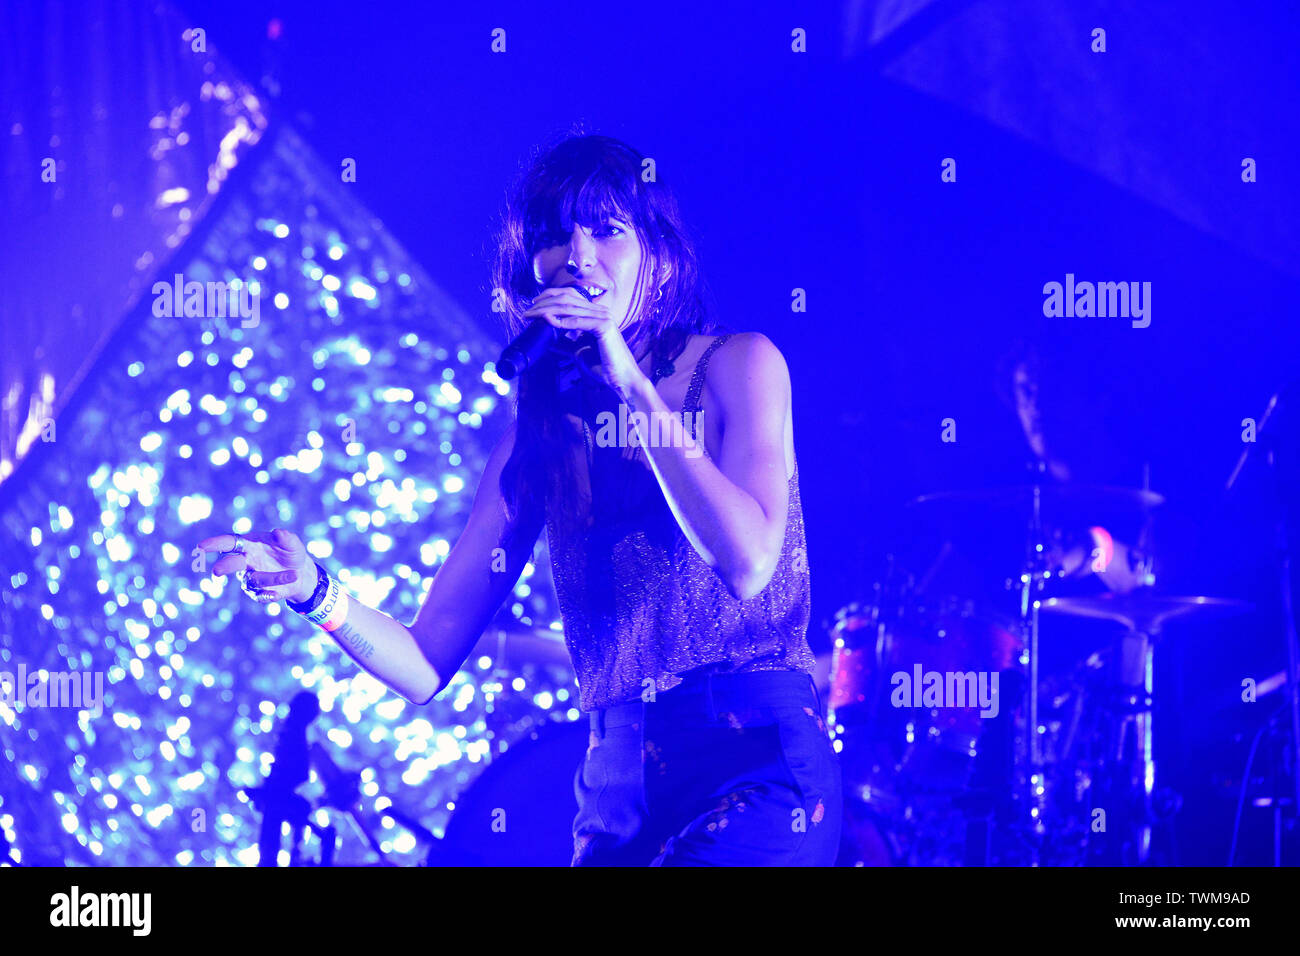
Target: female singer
{"x": 677, "y": 545}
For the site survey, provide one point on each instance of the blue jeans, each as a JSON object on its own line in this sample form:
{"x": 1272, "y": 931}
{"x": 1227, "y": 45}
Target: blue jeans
{"x": 722, "y": 770}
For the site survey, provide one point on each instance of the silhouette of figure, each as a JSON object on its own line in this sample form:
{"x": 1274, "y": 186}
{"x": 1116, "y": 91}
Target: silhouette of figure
{"x": 277, "y": 797}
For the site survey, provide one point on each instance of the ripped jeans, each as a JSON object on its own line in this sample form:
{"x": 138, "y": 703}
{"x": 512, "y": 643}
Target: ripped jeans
{"x": 723, "y": 770}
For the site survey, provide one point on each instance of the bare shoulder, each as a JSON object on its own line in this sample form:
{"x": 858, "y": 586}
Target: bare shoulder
{"x": 747, "y": 366}
{"x": 749, "y": 383}
{"x": 750, "y": 346}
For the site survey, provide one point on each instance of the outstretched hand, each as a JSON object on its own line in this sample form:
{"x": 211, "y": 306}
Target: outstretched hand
{"x": 273, "y": 566}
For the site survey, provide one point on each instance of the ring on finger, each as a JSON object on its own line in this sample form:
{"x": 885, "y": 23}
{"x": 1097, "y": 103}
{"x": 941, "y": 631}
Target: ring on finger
{"x": 260, "y": 595}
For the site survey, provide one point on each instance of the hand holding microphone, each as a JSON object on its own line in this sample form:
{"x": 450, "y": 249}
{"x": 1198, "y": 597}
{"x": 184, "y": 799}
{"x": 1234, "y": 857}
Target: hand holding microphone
{"x": 528, "y": 347}
{"x": 607, "y": 359}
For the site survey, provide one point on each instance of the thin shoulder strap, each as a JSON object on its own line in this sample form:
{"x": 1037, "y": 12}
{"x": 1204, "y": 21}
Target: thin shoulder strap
{"x": 692, "y": 403}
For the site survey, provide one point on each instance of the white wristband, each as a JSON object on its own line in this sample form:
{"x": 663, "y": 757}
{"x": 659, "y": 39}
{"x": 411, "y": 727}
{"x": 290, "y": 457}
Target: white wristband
{"x": 333, "y": 610}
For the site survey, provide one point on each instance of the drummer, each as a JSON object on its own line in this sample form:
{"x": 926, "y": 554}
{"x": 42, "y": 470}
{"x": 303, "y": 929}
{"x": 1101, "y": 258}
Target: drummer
{"x": 1110, "y": 558}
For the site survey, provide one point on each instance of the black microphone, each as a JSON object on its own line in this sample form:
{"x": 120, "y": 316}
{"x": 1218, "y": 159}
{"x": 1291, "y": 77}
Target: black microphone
{"x": 526, "y": 348}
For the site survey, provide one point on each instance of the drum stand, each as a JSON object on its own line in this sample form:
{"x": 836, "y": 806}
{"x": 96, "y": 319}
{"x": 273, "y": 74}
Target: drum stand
{"x": 1280, "y": 447}
{"x": 1128, "y": 773}
{"x": 1292, "y": 739}
{"x": 1030, "y": 782}
{"x": 1286, "y": 483}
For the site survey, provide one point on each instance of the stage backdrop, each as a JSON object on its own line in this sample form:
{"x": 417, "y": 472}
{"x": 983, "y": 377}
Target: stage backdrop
{"x": 118, "y": 130}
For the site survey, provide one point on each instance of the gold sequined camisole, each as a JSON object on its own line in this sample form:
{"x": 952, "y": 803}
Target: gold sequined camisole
{"x": 641, "y": 607}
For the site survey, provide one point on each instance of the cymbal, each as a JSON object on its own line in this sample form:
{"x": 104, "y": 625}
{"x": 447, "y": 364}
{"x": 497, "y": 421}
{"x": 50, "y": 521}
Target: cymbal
{"x": 1054, "y": 497}
{"x": 1142, "y": 610}
{"x": 522, "y": 645}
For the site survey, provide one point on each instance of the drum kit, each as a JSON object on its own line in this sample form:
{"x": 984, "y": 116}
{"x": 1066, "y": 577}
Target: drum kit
{"x": 1061, "y": 771}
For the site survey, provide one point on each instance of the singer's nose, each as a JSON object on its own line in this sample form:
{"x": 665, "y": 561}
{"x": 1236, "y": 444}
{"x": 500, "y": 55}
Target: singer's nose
{"x": 580, "y": 251}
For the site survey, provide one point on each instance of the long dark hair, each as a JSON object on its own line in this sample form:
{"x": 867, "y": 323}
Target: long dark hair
{"x": 588, "y": 179}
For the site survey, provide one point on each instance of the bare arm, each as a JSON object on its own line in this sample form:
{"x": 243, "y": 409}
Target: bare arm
{"x": 419, "y": 659}
{"x": 733, "y": 512}
{"x": 478, "y": 575}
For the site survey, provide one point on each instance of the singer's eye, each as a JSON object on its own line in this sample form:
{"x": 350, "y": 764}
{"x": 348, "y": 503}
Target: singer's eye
{"x": 561, "y": 238}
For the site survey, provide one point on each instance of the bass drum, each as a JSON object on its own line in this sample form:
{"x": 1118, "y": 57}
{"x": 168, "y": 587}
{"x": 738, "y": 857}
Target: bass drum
{"x": 891, "y": 756}
{"x": 520, "y": 810}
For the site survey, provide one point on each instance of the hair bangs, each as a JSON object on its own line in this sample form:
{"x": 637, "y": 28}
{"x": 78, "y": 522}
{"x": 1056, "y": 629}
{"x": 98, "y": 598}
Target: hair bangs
{"x": 554, "y": 209}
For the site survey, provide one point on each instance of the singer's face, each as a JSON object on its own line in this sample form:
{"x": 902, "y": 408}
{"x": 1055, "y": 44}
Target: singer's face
{"x": 606, "y": 256}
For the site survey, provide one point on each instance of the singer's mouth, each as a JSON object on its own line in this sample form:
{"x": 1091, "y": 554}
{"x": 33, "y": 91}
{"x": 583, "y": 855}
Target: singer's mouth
{"x": 593, "y": 291}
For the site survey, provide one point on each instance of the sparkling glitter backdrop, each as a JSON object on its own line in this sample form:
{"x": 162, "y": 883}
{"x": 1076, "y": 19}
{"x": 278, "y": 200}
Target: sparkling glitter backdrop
{"x": 194, "y": 425}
